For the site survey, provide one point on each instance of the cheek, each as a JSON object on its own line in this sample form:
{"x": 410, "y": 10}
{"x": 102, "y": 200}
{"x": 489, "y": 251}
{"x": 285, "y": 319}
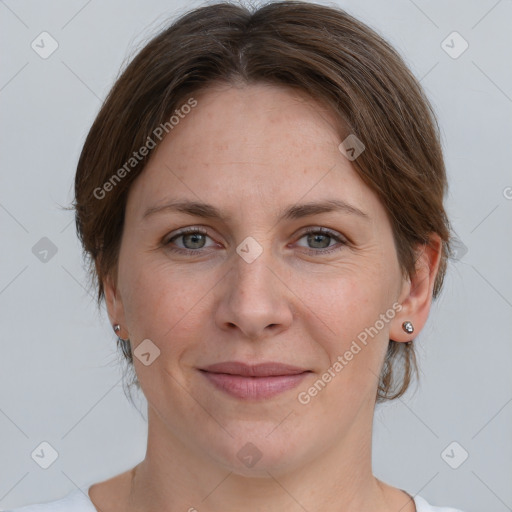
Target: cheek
{"x": 347, "y": 300}
{"x": 355, "y": 310}
{"x": 164, "y": 303}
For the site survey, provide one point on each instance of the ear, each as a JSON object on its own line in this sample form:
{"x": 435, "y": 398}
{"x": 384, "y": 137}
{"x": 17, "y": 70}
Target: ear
{"x": 114, "y": 305}
{"x": 416, "y": 294}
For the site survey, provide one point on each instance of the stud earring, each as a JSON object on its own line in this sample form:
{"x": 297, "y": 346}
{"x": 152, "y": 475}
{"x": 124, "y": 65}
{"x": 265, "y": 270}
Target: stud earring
{"x": 125, "y": 344}
{"x": 117, "y": 328}
{"x": 408, "y": 327}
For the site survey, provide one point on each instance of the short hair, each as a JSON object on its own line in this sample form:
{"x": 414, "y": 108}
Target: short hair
{"x": 318, "y": 50}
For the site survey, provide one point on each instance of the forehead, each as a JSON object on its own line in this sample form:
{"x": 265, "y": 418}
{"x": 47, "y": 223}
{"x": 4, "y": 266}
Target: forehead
{"x": 259, "y": 144}
{"x": 255, "y": 121}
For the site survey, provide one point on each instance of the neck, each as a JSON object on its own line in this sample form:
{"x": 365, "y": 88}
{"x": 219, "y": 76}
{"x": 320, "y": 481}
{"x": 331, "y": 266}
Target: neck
{"x": 175, "y": 476}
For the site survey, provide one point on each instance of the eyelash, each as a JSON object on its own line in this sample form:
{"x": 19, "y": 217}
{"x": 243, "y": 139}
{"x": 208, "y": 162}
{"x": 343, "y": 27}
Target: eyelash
{"x": 202, "y": 231}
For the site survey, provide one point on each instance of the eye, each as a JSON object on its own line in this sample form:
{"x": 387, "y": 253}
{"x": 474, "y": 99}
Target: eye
{"x": 192, "y": 239}
{"x": 319, "y": 239}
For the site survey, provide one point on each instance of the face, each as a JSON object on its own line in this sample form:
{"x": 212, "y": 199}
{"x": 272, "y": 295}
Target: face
{"x": 257, "y": 277}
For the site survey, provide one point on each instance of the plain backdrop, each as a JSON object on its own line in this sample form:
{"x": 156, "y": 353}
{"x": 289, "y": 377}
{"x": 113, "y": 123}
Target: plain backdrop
{"x": 60, "y": 377}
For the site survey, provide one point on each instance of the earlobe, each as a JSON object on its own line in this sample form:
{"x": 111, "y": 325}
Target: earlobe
{"x": 417, "y": 295}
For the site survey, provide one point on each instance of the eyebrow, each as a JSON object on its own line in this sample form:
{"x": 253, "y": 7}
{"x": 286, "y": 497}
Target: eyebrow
{"x": 292, "y": 212}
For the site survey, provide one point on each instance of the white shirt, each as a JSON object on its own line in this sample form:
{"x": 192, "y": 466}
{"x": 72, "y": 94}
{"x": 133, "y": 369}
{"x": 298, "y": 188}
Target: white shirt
{"x": 79, "y": 501}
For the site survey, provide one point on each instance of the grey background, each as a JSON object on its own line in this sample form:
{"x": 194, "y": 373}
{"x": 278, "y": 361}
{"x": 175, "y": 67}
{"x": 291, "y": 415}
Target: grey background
{"x": 60, "y": 380}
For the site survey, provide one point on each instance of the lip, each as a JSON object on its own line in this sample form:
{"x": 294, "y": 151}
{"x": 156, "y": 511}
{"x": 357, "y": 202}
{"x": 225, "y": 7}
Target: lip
{"x": 268, "y": 369}
{"x": 254, "y": 382}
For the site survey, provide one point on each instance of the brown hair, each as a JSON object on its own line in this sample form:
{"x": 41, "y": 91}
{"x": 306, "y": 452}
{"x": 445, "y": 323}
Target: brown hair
{"x": 320, "y": 50}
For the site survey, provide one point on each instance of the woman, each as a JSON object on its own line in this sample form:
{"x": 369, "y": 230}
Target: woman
{"x": 261, "y": 202}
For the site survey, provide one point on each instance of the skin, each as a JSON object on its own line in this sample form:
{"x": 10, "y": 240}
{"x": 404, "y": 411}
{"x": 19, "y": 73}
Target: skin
{"x": 251, "y": 151}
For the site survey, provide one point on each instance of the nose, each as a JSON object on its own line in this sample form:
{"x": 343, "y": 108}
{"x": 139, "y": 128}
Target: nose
{"x": 254, "y": 298}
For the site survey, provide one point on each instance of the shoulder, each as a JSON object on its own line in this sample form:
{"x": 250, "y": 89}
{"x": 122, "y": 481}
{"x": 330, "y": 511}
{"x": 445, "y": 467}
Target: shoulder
{"x": 75, "y": 501}
{"x": 423, "y": 506}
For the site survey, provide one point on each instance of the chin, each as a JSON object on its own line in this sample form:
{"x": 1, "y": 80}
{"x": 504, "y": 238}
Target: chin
{"x": 256, "y": 453}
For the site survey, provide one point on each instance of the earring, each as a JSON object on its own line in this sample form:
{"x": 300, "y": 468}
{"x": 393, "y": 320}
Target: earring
{"x": 125, "y": 344}
{"x": 408, "y": 327}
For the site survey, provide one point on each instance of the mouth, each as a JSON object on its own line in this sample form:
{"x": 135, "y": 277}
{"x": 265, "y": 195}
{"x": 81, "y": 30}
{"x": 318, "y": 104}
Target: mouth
{"x": 253, "y": 382}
